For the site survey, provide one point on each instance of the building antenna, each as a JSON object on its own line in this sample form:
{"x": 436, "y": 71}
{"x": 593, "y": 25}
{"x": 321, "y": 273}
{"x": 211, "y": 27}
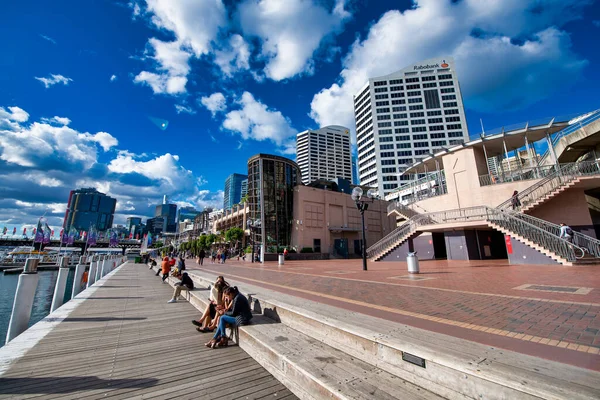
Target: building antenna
{"x": 482, "y": 130}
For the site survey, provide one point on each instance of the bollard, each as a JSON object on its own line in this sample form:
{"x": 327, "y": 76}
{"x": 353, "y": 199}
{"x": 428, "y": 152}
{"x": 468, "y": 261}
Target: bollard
{"x": 99, "y": 268}
{"x": 61, "y": 284}
{"x": 21, "y": 311}
{"x": 79, "y": 270}
{"x": 92, "y": 274}
{"x": 281, "y": 257}
{"x": 104, "y": 266}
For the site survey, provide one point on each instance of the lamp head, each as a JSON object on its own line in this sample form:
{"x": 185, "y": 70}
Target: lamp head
{"x": 357, "y": 193}
{"x": 371, "y": 193}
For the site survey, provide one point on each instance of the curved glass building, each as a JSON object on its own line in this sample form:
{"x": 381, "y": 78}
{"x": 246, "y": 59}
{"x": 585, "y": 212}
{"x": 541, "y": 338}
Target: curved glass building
{"x": 271, "y": 180}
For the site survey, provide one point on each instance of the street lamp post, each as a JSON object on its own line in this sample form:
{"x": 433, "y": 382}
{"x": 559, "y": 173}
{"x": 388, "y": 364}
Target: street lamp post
{"x": 252, "y": 226}
{"x": 363, "y": 205}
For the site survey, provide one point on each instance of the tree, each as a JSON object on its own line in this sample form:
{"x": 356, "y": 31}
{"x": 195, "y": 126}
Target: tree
{"x": 210, "y": 239}
{"x": 201, "y": 243}
{"x": 234, "y": 235}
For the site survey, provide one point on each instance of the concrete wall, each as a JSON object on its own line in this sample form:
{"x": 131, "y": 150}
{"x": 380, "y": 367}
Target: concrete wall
{"x": 523, "y": 254}
{"x": 570, "y": 207}
{"x": 326, "y": 215}
{"x": 422, "y": 244}
{"x": 462, "y": 170}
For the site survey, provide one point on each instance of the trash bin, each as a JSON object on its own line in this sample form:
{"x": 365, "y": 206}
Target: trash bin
{"x": 413, "y": 263}
{"x": 138, "y": 260}
{"x": 281, "y": 259}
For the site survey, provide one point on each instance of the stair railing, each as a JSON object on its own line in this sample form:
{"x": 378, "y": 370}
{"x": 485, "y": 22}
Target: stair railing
{"x": 587, "y": 243}
{"x": 563, "y": 175}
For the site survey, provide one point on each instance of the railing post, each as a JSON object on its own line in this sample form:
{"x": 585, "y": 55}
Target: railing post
{"x": 61, "y": 284}
{"x": 23, "y": 302}
{"x": 79, "y": 270}
{"x": 92, "y": 273}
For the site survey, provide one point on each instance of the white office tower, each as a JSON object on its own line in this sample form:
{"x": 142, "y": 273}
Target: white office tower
{"x": 402, "y": 117}
{"x": 324, "y": 154}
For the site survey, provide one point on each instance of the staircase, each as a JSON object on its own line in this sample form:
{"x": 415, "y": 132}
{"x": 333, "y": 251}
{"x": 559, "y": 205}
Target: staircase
{"x": 536, "y": 233}
{"x": 565, "y": 177}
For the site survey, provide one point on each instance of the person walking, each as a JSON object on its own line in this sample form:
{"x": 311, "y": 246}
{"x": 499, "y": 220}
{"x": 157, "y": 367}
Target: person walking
{"x": 224, "y": 255}
{"x": 514, "y": 200}
{"x": 566, "y": 232}
{"x": 201, "y": 256}
{"x": 219, "y": 256}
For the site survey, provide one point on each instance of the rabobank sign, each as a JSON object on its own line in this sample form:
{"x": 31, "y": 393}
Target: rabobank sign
{"x": 443, "y": 64}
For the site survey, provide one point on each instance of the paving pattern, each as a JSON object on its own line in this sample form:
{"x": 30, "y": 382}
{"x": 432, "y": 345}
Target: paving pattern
{"x": 482, "y": 301}
{"x": 126, "y": 342}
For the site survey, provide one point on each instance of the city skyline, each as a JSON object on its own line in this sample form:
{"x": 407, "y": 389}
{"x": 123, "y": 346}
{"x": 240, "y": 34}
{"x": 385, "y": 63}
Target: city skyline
{"x": 130, "y": 98}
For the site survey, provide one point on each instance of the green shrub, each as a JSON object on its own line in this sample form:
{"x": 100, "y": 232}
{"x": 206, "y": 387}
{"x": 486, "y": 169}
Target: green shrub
{"x": 306, "y": 250}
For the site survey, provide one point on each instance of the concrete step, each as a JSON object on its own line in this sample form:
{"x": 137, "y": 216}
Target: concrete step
{"x": 453, "y": 368}
{"x": 314, "y": 370}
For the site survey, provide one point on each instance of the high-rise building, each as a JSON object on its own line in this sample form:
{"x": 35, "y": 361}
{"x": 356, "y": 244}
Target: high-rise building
{"x": 186, "y": 213}
{"x": 87, "y": 207}
{"x": 168, "y": 212}
{"x": 355, "y": 179}
{"x": 244, "y": 187}
{"x": 271, "y": 181}
{"x": 402, "y": 117}
{"x": 233, "y": 190}
{"x": 155, "y": 225}
{"x": 324, "y": 154}
{"x": 134, "y": 225}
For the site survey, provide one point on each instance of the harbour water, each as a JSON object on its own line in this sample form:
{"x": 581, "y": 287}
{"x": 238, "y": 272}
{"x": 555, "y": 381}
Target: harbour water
{"x": 42, "y": 301}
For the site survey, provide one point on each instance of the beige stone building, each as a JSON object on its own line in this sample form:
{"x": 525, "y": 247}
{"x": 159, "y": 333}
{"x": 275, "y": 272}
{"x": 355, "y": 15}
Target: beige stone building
{"x": 329, "y": 222}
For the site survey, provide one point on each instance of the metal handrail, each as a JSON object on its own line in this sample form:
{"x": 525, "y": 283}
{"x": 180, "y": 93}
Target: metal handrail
{"x": 502, "y": 218}
{"x": 587, "y": 243}
{"x": 594, "y": 115}
{"x": 564, "y": 175}
{"x": 521, "y": 174}
{"x": 437, "y": 176}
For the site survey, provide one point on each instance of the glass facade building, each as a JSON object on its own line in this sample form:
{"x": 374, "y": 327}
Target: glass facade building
{"x": 233, "y": 190}
{"x": 271, "y": 180}
{"x": 87, "y": 207}
{"x": 169, "y": 214}
{"x": 187, "y": 213}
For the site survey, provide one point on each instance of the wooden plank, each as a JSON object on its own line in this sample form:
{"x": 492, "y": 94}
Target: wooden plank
{"x": 125, "y": 341}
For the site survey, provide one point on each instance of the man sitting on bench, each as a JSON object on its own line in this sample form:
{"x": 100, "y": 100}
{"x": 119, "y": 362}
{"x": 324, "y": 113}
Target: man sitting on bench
{"x": 186, "y": 284}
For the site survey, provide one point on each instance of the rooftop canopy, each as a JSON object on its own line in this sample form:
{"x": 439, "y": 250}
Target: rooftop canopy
{"x": 513, "y": 135}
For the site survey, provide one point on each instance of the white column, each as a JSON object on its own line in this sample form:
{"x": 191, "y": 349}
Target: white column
{"x": 61, "y": 284}
{"x": 21, "y": 311}
{"x": 104, "y": 266}
{"x": 79, "y": 270}
{"x": 93, "y": 268}
{"x": 99, "y": 268}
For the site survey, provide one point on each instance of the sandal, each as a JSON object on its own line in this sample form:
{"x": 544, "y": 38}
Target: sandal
{"x": 204, "y": 330}
{"x": 212, "y": 343}
{"x": 222, "y": 343}
{"x": 196, "y": 323}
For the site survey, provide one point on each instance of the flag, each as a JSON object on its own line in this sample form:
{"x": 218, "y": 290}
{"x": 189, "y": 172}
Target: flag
{"x": 72, "y": 233}
{"x": 149, "y": 239}
{"x": 130, "y": 236}
{"x": 47, "y": 233}
{"x": 39, "y": 232}
{"x": 114, "y": 239}
{"x": 92, "y": 236}
{"x": 14, "y": 230}
{"x": 52, "y": 234}
{"x": 24, "y": 231}
{"x": 4, "y": 230}
{"x": 137, "y": 236}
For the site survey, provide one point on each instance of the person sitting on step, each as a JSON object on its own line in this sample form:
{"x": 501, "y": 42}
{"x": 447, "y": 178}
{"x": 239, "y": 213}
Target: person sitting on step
{"x": 240, "y": 314}
{"x": 218, "y": 304}
{"x": 186, "y": 284}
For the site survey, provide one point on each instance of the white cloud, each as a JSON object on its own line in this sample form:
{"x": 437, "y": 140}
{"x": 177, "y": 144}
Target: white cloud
{"x": 135, "y": 8}
{"x": 40, "y": 163}
{"x": 485, "y": 39}
{"x": 48, "y": 38}
{"x": 47, "y": 146}
{"x": 194, "y": 23}
{"x": 172, "y": 62}
{"x": 290, "y": 31}
{"x": 162, "y": 83}
{"x": 234, "y": 57}
{"x": 256, "y": 121}
{"x": 57, "y": 120}
{"x": 214, "y": 103}
{"x": 181, "y": 109}
{"x": 53, "y": 79}
{"x": 113, "y": 78}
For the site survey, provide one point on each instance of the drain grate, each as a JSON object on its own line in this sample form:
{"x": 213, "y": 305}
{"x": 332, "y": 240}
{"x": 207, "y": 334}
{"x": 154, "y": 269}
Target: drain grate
{"x": 555, "y": 289}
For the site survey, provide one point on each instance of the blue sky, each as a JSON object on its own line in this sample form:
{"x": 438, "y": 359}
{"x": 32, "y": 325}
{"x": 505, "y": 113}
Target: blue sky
{"x": 81, "y": 81}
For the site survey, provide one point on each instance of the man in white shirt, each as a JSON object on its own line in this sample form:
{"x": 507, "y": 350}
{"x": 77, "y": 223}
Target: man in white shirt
{"x": 566, "y": 233}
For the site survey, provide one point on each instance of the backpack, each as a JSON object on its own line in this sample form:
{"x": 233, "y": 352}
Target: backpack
{"x": 569, "y": 231}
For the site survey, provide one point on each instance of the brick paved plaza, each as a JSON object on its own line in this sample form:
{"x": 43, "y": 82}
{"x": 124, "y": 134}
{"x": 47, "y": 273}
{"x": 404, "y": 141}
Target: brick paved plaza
{"x": 547, "y": 311}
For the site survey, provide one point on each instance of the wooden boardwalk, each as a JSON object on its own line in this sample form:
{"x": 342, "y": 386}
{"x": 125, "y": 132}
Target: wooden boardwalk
{"x": 126, "y": 342}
